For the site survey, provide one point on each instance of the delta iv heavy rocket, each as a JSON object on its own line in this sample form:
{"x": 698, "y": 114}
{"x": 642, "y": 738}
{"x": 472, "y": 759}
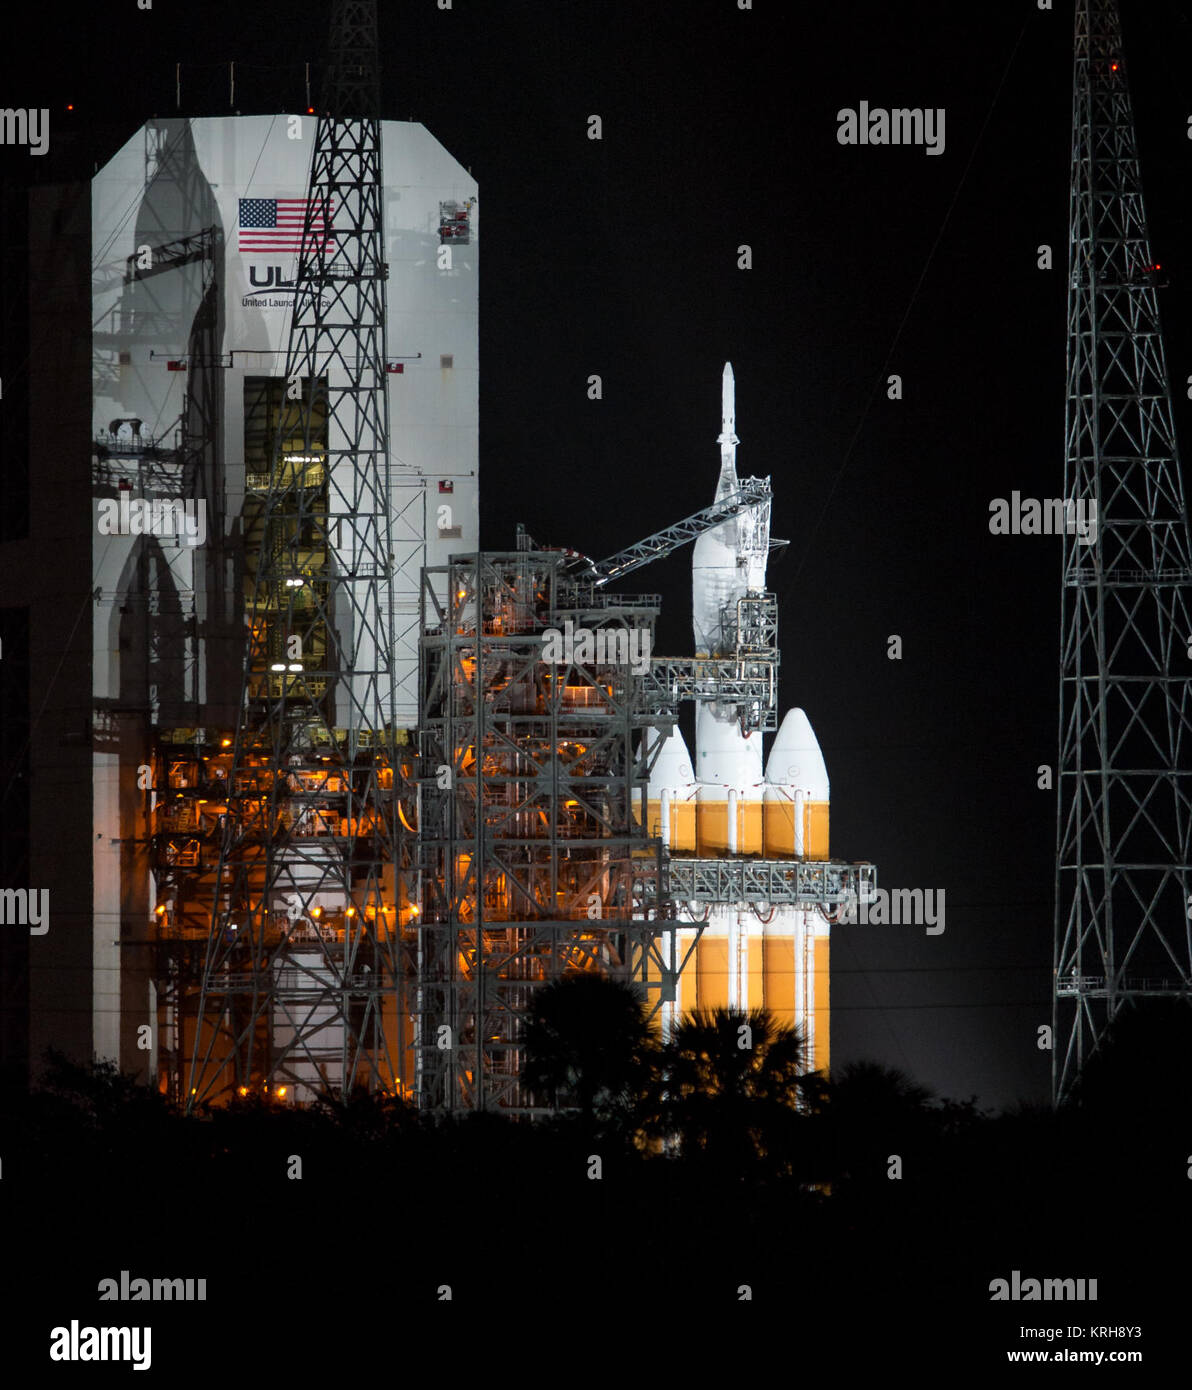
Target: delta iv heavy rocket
{"x": 734, "y": 802}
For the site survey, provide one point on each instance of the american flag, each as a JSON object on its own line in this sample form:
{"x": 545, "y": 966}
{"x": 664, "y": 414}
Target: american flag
{"x": 275, "y": 224}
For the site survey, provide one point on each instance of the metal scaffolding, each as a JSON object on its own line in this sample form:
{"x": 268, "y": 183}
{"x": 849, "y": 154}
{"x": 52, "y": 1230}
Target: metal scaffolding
{"x": 1124, "y": 827}
{"x": 532, "y": 860}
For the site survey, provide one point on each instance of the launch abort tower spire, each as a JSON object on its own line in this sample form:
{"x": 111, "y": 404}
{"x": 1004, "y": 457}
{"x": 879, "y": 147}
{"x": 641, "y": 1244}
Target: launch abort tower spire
{"x": 1124, "y": 840}
{"x": 303, "y": 987}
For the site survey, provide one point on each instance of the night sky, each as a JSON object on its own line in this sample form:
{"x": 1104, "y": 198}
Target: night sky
{"x": 619, "y": 258}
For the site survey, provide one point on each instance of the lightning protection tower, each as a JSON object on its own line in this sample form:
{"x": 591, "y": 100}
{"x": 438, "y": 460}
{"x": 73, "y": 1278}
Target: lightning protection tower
{"x": 1124, "y": 837}
{"x": 303, "y": 987}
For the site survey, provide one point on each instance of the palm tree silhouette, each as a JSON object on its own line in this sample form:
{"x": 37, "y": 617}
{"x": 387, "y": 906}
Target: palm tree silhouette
{"x": 730, "y": 1092}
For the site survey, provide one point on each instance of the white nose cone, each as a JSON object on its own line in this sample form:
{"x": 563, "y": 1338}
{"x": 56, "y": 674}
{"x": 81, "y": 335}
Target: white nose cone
{"x": 795, "y": 759}
{"x": 727, "y": 758}
{"x": 671, "y": 794}
{"x": 673, "y": 771}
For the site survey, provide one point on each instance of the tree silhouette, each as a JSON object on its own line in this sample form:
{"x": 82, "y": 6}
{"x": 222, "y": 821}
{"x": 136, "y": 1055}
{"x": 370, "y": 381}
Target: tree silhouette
{"x": 589, "y": 1047}
{"x": 865, "y": 1114}
{"x": 730, "y": 1092}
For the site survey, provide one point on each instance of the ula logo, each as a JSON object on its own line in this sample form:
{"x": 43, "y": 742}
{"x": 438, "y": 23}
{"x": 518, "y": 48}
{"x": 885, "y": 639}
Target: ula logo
{"x": 274, "y": 280}
{"x": 26, "y": 126}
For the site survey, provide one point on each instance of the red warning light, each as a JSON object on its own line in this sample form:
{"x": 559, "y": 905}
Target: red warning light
{"x": 70, "y": 105}
{"x": 310, "y": 110}
{"x": 1113, "y": 67}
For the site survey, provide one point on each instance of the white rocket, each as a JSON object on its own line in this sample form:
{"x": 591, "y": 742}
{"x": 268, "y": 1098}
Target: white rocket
{"x": 722, "y": 803}
{"x": 729, "y": 563}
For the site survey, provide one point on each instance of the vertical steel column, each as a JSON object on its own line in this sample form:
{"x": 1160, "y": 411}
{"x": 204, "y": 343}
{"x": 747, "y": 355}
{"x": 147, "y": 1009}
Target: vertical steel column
{"x": 307, "y": 963}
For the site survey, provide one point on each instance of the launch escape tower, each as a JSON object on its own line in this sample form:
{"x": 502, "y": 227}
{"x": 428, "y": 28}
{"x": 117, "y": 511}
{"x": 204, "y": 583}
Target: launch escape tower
{"x": 304, "y": 982}
{"x": 1124, "y": 825}
{"x": 545, "y": 846}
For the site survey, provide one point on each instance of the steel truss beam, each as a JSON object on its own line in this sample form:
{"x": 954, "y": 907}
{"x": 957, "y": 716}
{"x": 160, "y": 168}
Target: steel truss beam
{"x": 751, "y": 492}
{"x": 797, "y": 883}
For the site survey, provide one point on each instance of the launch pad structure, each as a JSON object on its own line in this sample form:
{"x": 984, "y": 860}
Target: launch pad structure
{"x": 353, "y": 804}
{"x": 543, "y": 845}
{"x": 346, "y": 805}
{"x": 531, "y": 862}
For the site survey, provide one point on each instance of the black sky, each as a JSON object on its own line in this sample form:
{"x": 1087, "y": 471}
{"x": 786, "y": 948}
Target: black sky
{"x": 618, "y": 258}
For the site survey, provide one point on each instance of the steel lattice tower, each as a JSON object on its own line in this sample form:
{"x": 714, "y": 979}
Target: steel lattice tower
{"x": 1124, "y": 827}
{"x": 304, "y": 981}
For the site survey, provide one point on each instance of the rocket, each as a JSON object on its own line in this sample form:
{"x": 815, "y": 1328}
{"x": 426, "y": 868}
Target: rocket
{"x": 744, "y": 803}
{"x": 729, "y": 563}
{"x": 730, "y": 800}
